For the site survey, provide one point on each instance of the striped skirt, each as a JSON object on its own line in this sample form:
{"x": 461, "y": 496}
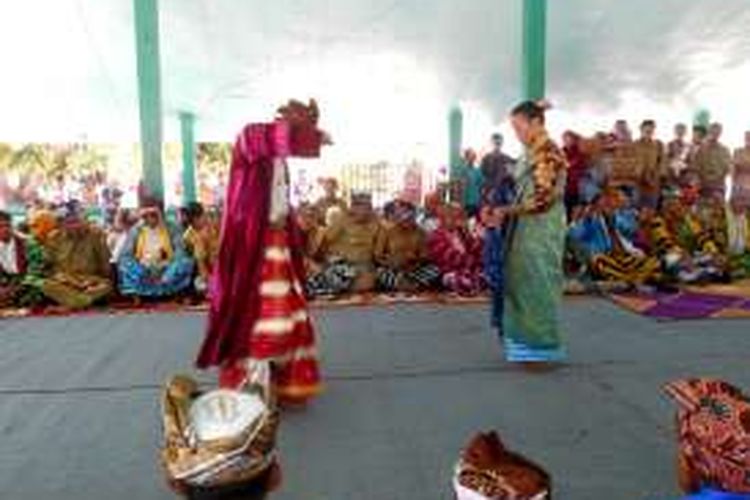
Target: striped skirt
{"x": 284, "y": 332}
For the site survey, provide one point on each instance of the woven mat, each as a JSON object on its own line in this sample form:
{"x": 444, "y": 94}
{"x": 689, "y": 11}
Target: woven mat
{"x": 713, "y": 301}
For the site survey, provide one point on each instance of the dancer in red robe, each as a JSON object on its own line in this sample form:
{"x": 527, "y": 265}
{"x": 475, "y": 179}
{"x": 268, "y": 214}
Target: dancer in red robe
{"x": 258, "y": 309}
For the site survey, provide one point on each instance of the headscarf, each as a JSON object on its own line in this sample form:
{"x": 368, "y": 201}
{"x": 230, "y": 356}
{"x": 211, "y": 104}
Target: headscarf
{"x": 165, "y": 239}
{"x": 713, "y": 421}
{"x": 42, "y": 223}
{"x": 489, "y": 471}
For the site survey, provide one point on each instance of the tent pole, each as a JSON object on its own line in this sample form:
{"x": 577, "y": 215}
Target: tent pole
{"x": 146, "y": 14}
{"x": 455, "y": 139}
{"x": 534, "y": 58}
{"x": 187, "y": 133}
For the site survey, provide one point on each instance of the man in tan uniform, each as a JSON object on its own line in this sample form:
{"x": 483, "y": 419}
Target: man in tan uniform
{"x": 651, "y": 164}
{"x": 713, "y": 163}
{"x": 348, "y": 250}
{"x": 79, "y": 259}
{"x": 401, "y": 254}
{"x": 624, "y": 171}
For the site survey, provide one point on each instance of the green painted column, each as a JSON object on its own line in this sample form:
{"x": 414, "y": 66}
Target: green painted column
{"x": 702, "y": 118}
{"x": 187, "y": 133}
{"x": 146, "y": 14}
{"x": 455, "y": 138}
{"x": 534, "y": 49}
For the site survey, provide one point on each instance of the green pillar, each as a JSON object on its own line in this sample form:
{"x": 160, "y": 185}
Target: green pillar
{"x": 455, "y": 138}
{"x": 534, "y": 58}
{"x": 146, "y": 14}
{"x": 187, "y": 133}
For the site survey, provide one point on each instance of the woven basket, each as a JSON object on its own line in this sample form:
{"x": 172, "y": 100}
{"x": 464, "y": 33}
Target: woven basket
{"x": 218, "y": 438}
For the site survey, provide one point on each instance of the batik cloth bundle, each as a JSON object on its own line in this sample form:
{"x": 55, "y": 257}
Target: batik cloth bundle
{"x": 714, "y": 434}
{"x": 219, "y": 438}
{"x": 489, "y": 471}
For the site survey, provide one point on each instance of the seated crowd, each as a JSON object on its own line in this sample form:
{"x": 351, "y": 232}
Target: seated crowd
{"x": 640, "y": 213}
{"x": 59, "y": 258}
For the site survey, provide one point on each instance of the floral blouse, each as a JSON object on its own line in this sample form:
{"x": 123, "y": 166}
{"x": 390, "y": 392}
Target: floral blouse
{"x": 547, "y": 173}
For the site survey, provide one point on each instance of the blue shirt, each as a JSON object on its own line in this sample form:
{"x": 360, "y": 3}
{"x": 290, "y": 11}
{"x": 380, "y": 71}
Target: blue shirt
{"x": 711, "y": 494}
{"x": 472, "y": 179}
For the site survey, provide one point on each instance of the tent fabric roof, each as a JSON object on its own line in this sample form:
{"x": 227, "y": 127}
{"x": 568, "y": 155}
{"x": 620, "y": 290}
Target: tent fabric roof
{"x": 386, "y": 73}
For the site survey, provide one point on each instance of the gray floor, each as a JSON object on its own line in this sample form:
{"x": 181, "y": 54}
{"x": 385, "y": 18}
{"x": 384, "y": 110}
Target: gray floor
{"x": 406, "y": 387}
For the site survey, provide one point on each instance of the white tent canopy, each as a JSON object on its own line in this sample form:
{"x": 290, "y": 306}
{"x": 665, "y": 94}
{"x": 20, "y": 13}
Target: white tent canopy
{"x": 385, "y": 73}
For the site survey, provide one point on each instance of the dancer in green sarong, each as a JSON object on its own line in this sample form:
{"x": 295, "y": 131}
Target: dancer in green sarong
{"x": 534, "y": 262}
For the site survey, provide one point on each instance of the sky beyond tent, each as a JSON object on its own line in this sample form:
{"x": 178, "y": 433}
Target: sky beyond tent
{"x": 385, "y": 73}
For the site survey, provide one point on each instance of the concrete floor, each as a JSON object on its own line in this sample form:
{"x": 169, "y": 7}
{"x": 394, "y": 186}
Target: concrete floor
{"x": 406, "y": 387}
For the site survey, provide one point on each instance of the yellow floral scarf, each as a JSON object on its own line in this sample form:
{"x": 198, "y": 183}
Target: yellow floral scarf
{"x": 164, "y": 239}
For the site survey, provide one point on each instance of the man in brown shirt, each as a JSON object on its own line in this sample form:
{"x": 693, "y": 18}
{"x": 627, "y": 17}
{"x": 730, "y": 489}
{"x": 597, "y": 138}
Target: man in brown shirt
{"x": 713, "y": 163}
{"x": 79, "y": 261}
{"x": 401, "y": 253}
{"x": 651, "y": 163}
{"x": 329, "y": 200}
{"x": 348, "y": 250}
{"x": 624, "y": 167}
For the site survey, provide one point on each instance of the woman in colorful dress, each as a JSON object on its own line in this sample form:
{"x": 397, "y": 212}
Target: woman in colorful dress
{"x": 258, "y": 309}
{"x": 534, "y": 265}
{"x": 153, "y": 262}
{"x": 457, "y": 253}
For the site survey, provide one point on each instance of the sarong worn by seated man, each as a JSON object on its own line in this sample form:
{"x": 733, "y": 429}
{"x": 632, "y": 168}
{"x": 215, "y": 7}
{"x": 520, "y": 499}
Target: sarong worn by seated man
{"x": 347, "y": 249}
{"x": 601, "y": 239}
{"x": 697, "y": 239}
{"x": 80, "y": 270}
{"x": 154, "y": 262}
{"x": 258, "y": 308}
{"x": 738, "y": 240}
{"x": 401, "y": 254}
{"x": 657, "y": 238}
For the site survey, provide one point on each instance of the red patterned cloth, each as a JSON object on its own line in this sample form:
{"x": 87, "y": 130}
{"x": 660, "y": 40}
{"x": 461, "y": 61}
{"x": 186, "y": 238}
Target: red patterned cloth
{"x": 714, "y": 432}
{"x": 458, "y": 255}
{"x": 283, "y": 332}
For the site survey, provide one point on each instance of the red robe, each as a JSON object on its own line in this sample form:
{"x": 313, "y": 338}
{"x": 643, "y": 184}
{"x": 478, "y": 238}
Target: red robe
{"x": 235, "y": 287}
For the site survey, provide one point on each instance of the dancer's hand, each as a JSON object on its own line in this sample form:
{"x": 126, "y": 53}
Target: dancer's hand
{"x": 500, "y": 213}
{"x": 487, "y": 217}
